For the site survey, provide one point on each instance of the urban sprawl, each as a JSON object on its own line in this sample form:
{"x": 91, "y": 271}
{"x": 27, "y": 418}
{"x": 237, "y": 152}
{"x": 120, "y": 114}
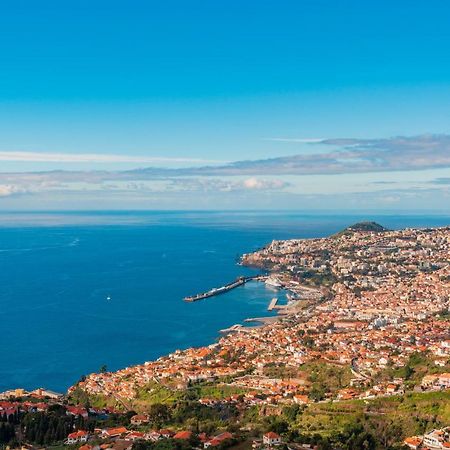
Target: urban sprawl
{"x": 367, "y": 306}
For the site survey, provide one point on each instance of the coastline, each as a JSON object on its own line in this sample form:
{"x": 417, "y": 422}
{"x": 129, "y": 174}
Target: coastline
{"x": 132, "y": 306}
{"x": 293, "y": 307}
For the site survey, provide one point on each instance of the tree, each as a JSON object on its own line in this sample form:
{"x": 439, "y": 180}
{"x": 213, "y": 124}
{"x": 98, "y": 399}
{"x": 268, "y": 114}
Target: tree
{"x": 317, "y": 392}
{"x": 291, "y": 412}
{"x": 159, "y": 414}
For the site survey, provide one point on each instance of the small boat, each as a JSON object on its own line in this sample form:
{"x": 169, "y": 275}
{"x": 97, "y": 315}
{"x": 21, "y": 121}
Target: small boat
{"x": 108, "y": 298}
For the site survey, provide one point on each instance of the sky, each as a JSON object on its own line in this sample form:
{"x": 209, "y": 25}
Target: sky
{"x": 305, "y": 105}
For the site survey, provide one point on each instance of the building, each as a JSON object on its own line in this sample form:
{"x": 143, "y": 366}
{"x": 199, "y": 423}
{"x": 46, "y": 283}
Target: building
{"x": 271, "y": 438}
{"x": 77, "y": 437}
{"x": 139, "y": 419}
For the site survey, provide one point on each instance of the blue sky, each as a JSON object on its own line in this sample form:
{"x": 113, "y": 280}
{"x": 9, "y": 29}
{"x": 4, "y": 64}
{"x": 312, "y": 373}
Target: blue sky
{"x": 104, "y": 86}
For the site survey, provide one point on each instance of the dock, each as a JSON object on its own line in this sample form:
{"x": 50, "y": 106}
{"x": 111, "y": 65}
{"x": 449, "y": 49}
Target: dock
{"x": 227, "y": 287}
{"x": 272, "y": 304}
{"x": 263, "y": 320}
{"x": 231, "y": 329}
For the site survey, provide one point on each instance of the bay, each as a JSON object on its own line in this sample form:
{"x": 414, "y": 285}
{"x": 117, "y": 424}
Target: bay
{"x": 83, "y": 289}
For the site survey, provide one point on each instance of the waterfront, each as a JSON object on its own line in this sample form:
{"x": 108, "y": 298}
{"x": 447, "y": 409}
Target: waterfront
{"x": 58, "y": 322}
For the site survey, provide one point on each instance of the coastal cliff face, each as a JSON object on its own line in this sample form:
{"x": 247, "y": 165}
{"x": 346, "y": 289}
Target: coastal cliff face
{"x": 387, "y": 292}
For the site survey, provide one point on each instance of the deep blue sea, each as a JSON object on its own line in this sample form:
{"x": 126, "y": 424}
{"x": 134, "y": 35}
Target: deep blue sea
{"x": 57, "y": 271}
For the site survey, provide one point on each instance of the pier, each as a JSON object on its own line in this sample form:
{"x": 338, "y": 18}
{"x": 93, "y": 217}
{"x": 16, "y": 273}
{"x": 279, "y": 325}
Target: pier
{"x": 227, "y": 287}
{"x": 272, "y": 304}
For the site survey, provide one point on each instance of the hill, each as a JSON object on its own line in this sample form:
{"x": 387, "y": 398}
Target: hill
{"x": 366, "y": 226}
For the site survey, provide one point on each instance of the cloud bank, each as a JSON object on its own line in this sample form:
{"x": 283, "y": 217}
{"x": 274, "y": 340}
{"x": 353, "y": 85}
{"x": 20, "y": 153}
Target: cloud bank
{"x": 95, "y": 158}
{"x": 350, "y": 156}
{"x": 310, "y": 177}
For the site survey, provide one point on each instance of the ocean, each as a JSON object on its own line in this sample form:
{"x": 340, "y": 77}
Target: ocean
{"x": 80, "y": 290}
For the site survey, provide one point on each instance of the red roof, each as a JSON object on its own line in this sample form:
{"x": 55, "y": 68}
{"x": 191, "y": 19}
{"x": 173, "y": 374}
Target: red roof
{"x": 183, "y": 435}
{"x": 272, "y": 435}
{"x": 77, "y": 434}
{"x": 166, "y": 432}
{"x": 223, "y": 436}
{"x": 116, "y": 431}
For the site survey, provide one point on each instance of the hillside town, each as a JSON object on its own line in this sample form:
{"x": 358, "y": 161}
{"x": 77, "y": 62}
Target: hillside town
{"x": 367, "y": 319}
{"x": 381, "y": 301}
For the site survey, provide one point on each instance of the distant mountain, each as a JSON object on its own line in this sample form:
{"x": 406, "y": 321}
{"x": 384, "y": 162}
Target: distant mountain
{"x": 366, "y": 226}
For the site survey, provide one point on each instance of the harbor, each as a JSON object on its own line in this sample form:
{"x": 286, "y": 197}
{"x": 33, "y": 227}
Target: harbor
{"x": 227, "y": 287}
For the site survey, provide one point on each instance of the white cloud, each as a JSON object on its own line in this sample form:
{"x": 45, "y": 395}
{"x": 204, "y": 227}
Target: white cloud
{"x": 6, "y": 190}
{"x": 259, "y": 184}
{"x": 299, "y": 140}
{"x": 94, "y": 158}
{"x": 226, "y": 185}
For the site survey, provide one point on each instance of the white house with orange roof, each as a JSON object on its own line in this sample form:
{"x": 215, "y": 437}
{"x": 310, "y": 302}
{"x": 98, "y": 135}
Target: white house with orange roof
{"x": 272, "y": 438}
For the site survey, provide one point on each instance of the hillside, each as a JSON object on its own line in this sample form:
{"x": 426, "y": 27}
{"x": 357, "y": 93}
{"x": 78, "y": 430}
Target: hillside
{"x": 366, "y": 226}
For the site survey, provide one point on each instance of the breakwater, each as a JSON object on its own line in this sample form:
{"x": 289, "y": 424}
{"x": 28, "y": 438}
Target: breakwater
{"x": 222, "y": 289}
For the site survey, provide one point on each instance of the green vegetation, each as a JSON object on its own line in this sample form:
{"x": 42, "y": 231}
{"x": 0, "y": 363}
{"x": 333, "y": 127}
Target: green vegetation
{"x": 80, "y": 397}
{"x": 325, "y": 377}
{"x": 316, "y": 278}
{"x": 165, "y": 444}
{"x": 367, "y": 226}
{"x": 44, "y": 428}
{"x": 418, "y": 365}
{"x": 377, "y": 424}
{"x": 154, "y": 393}
{"x": 362, "y": 226}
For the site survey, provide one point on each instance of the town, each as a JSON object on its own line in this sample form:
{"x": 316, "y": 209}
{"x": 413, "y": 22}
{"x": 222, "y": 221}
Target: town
{"x": 367, "y": 324}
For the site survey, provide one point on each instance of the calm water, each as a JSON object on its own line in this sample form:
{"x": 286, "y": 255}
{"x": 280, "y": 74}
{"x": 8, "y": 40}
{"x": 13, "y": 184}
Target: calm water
{"x": 57, "y": 270}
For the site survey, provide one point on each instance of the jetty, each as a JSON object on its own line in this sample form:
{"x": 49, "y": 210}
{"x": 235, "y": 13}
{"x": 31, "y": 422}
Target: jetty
{"x": 227, "y": 287}
{"x": 231, "y": 329}
{"x": 263, "y": 320}
{"x": 273, "y": 304}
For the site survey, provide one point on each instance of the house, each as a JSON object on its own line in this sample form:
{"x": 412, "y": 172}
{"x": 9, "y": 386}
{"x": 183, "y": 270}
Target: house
{"x": 139, "y": 419}
{"x": 77, "y": 436}
{"x": 165, "y": 433}
{"x": 114, "y": 432}
{"x": 153, "y": 436}
{"x": 134, "y": 435}
{"x": 41, "y": 392}
{"x": 429, "y": 380}
{"x": 271, "y": 438}
{"x": 183, "y": 435}
{"x": 435, "y": 439}
{"x": 347, "y": 394}
{"x": 413, "y": 442}
{"x": 444, "y": 380}
{"x": 217, "y": 440}
{"x": 76, "y": 411}
{"x": 120, "y": 444}
{"x": 301, "y": 399}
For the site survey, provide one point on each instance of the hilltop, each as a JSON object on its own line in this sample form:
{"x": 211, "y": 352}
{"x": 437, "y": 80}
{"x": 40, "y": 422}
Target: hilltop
{"x": 367, "y": 226}
{"x": 362, "y": 227}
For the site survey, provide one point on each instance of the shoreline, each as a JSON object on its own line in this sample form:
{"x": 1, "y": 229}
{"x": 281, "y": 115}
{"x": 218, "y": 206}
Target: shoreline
{"x": 245, "y": 325}
{"x": 256, "y": 322}
{"x": 282, "y": 311}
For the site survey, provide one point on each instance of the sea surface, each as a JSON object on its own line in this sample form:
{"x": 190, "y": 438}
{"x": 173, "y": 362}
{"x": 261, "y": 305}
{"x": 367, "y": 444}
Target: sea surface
{"x": 80, "y": 290}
